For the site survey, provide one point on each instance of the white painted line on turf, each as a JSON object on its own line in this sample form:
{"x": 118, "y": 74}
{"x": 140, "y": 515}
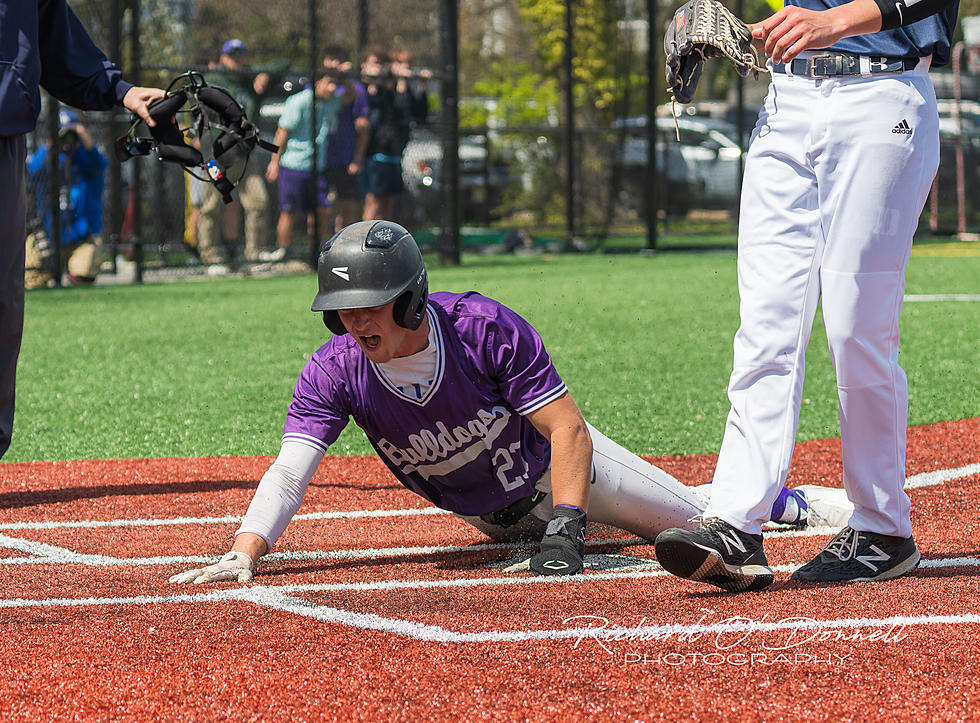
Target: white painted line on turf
{"x": 47, "y": 554}
{"x": 455, "y": 583}
{"x": 277, "y": 600}
{"x": 435, "y": 633}
{"x": 230, "y": 519}
{"x": 927, "y": 479}
{"x": 211, "y": 596}
{"x": 920, "y": 480}
{"x": 941, "y": 297}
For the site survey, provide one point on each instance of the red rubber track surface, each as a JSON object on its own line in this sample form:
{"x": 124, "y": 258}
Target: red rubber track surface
{"x": 375, "y": 607}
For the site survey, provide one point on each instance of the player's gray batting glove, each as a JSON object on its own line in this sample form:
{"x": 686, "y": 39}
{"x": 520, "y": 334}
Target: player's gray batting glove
{"x": 563, "y": 544}
{"x": 234, "y": 567}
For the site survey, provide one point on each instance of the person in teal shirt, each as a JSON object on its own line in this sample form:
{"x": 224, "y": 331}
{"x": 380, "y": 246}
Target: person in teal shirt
{"x": 303, "y": 189}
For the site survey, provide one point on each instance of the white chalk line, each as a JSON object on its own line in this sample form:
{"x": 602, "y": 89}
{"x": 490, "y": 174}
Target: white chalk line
{"x": 924, "y": 479}
{"x": 276, "y": 597}
{"x": 44, "y": 554}
{"x": 227, "y": 520}
{"x": 414, "y": 584}
{"x": 48, "y": 554}
{"x": 941, "y": 297}
{"x": 927, "y": 479}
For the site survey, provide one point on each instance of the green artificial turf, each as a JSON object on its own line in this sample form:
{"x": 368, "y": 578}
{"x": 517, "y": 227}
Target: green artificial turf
{"x": 203, "y": 368}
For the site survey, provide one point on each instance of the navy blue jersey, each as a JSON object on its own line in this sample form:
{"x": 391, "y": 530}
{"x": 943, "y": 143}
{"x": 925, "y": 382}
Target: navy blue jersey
{"x": 930, "y": 36}
{"x": 43, "y": 43}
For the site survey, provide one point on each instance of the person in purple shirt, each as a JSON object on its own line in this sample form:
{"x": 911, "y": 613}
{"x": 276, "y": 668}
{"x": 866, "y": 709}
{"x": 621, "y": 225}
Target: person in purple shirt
{"x": 348, "y": 143}
{"x": 460, "y": 399}
{"x": 42, "y": 44}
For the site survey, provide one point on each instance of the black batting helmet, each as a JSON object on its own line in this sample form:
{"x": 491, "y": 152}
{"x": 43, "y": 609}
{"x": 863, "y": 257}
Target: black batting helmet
{"x": 371, "y": 263}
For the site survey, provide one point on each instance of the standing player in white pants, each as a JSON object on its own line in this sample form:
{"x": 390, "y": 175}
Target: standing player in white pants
{"x": 841, "y": 159}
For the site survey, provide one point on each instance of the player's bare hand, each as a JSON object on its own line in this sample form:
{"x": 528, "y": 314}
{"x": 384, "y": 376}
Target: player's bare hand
{"x": 138, "y": 99}
{"x": 233, "y": 567}
{"x": 793, "y": 29}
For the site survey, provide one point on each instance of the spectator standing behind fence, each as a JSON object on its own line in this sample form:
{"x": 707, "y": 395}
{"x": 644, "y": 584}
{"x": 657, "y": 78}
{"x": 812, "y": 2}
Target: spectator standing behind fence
{"x": 41, "y": 44}
{"x": 247, "y": 88}
{"x": 348, "y": 144}
{"x": 301, "y": 191}
{"x": 82, "y": 181}
{"x": 395, "y": 103}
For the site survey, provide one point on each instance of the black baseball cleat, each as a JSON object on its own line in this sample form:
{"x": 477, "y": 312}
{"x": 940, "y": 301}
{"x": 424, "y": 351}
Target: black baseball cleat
{"x": 716, "y": 553}
{"x": 854, "y": 556}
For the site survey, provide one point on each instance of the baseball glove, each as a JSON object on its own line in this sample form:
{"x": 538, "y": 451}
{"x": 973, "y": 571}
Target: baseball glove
{"x": 699, "y": 30}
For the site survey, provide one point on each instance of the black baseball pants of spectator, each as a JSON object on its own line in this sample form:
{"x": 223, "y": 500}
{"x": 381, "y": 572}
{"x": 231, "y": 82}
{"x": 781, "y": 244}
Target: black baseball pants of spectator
{"x": 13, "y": 155}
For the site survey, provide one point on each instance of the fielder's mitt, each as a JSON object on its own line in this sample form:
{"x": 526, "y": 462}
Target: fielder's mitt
{"x": 702, "y": 29}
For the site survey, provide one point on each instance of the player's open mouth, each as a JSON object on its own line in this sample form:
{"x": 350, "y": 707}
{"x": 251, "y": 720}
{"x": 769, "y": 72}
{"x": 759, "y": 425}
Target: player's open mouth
{"x": 371, "y": 342}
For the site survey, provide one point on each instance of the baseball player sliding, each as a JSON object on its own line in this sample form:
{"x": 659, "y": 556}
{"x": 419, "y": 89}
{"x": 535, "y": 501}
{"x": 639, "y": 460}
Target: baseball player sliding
{"x": 460, "y": 399}
{"x": 840, "y": 162}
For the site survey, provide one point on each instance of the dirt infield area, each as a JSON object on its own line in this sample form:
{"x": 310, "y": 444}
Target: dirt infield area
{"x": 376, "y": 606}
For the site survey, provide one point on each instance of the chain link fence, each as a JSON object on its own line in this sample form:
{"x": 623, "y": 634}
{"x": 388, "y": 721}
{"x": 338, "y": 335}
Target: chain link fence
{"x": 542, "y": 163}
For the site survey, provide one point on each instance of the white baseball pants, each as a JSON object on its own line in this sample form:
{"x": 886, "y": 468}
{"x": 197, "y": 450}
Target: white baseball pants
{"x": 836, "y": 176}
{"x": 627, "y": 492}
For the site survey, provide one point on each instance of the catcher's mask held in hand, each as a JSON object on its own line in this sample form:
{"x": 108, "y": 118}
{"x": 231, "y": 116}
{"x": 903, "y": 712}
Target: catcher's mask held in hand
{"x": 212, "y": 116}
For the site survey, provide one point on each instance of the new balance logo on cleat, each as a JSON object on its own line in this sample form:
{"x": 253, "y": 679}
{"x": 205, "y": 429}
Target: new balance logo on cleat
{"x": 730, "y": 541}
{"x": 879, "y": 556}
{"x": 717, "y": 553}
{"x": 903, "y": 128}
{"x": 854, "y": 556}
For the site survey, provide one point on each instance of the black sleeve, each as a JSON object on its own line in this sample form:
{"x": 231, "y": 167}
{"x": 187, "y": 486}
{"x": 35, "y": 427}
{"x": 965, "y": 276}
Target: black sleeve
{"x": 895, "y": 13}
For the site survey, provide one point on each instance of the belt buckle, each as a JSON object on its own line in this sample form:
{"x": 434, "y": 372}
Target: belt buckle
{"x": 819, "y": 75}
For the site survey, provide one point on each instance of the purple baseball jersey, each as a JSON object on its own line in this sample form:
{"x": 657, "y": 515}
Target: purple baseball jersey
{"x": 466, "y": 445}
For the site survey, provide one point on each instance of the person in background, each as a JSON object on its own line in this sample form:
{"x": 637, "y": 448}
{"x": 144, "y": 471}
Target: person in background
{"x": 233, "y": 74}
{"x": 301, "y": 190}
{"x": 395, "y": 103}
{"x": 348, "y": 144}
{"x": 82, "y": 170}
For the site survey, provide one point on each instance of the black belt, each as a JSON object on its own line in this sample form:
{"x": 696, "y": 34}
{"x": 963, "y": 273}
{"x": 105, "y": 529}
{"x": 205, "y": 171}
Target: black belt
{"x": 512, "y": 514}
{"x": 828, "y": 65}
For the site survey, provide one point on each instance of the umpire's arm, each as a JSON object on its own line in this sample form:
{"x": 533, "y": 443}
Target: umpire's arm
{"x": 562, "y": 424}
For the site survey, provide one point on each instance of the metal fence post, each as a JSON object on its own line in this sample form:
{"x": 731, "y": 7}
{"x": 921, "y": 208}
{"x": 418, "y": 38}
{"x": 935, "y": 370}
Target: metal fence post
{"x": 314, "y": 63}
{"x": 115, "y": 170}
{"x": 652, "y": 196}
{"x": 137, "y": 194}
{"x": 569, "y": 124}
{"x": 449, "y": 239}
{"x": 58, "y": 197}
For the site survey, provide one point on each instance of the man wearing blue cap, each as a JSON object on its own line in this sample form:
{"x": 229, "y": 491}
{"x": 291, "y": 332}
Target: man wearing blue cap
{"x": 42, "y": 44}
{"x": 247, "y": 88}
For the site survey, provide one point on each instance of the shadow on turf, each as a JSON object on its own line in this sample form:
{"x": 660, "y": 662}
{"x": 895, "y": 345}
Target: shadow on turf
{"x": 458, "y": 561}
{"x": 27, "y": 498}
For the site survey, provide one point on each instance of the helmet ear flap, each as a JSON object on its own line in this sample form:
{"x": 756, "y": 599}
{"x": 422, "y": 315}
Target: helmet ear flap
{"x": 409, "y": 308}
{"x": 331, "y": 319}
